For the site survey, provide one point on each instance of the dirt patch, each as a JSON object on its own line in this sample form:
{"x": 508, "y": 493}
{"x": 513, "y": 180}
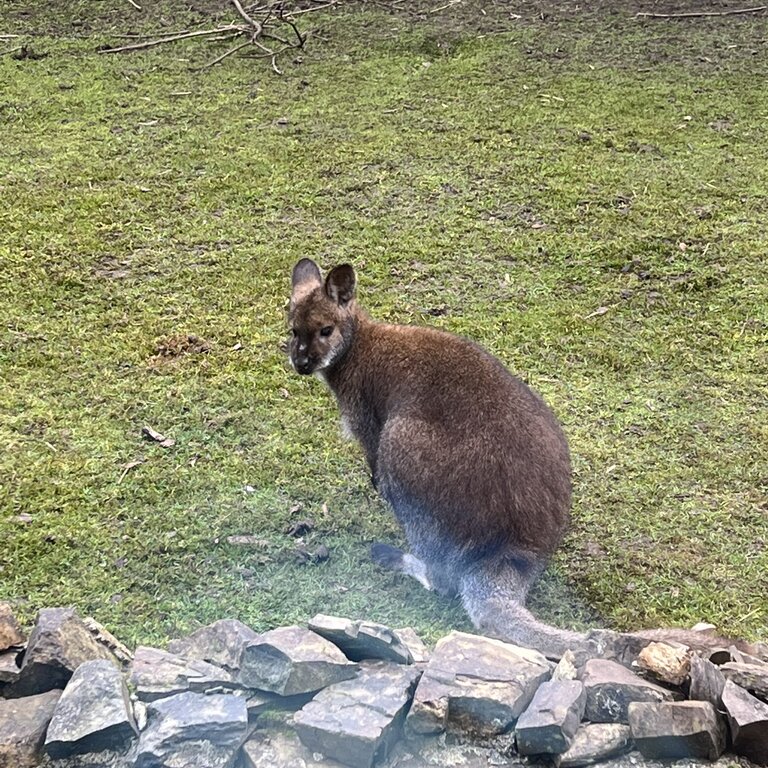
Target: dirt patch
{"x": 173, "y": 348}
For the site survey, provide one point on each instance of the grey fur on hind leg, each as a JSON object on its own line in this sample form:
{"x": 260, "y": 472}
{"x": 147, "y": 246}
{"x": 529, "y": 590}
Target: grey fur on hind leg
{"x": 395, "y": 559}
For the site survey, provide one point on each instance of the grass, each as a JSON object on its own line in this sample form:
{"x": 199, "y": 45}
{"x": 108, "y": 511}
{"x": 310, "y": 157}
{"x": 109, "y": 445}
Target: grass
{"x": 584, "y": 196}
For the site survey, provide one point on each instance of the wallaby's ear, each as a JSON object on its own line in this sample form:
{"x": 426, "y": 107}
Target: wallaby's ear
{"x": 306, "y": 274}
{"x": 340, "y": 284}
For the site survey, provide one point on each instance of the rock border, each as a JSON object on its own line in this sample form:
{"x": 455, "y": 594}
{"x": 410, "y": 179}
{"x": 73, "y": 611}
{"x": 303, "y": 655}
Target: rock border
{"x": 357, "y": 693}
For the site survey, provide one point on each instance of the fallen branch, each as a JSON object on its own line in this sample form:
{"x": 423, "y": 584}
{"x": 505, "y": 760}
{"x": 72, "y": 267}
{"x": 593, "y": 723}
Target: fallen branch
{"x": 170, "y": 39}
{"x": 259, "y": 25}
{"x": 255, "y": 24}
{"x": 698, "y": 14}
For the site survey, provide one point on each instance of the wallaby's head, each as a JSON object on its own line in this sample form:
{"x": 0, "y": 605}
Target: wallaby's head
{"x": 322, "y": 316}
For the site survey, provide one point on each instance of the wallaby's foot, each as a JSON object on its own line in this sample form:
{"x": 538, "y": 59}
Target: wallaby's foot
{"x": 394, "y": 559}
{"x": 387, "y": 556}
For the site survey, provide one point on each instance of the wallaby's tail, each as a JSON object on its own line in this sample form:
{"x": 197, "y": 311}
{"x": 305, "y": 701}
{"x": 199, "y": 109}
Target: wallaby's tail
{"x": 494, "y": 600}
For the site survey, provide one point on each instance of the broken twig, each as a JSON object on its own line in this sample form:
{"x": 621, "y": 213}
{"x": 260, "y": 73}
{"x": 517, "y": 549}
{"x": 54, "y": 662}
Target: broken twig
{"x": 697, "y": 14}
{"x": 170, "y": 39}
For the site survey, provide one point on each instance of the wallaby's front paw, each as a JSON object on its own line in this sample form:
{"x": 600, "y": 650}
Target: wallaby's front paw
{"x": 387, "y": 556}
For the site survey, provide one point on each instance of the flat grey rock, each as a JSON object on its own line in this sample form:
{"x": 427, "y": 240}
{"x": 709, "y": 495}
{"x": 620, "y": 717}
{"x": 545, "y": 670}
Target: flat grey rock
{"x": 675, "y": 729}
{"x": 272, "y": 748}
{"x": 748, "y": 721}
{"x": 357, "y": 721}
{"x": 156, "y": 674}
{"x": 93, "y": 714}
{"x": 416, "y": 646}
{"x": 58, "y": 645}
{"x": 595, "y": 742}
{"x": 23, "y": 723}
{"x": 360, "y": 640}
{"x": 192, "y": 730}
{"x": 611, "y": 687}
{"x": 293, "y": 660}
{"x": 475, "y": 684}
{"x": 444, "y": 751}
{"x": 552, "y": 718}
{"x": 706, "y": 681}
{"x": 219, "y": 643}
{"x": 751, "y": 677}
{"x": 566, "y": 668}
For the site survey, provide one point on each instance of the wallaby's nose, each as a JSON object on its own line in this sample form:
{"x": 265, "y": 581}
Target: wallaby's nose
{"x": 302, "y": 364}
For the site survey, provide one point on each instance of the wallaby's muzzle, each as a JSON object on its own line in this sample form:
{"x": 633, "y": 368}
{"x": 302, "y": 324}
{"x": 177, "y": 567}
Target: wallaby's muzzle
{"x": 303, "y": 366}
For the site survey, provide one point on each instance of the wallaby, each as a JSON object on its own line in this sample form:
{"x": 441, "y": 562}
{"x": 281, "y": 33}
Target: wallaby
{"x": 472, "y": 461}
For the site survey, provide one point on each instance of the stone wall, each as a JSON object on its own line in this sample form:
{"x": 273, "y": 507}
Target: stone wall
{"x": 356, "y": 693}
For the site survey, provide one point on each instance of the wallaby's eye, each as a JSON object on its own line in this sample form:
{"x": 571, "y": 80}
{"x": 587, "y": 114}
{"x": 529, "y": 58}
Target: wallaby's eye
{"x": 294, "y": 332}
{"x": 326, "y": 331}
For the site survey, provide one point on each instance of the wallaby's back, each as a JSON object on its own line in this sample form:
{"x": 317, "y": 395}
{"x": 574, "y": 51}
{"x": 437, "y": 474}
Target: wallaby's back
{"x": 455, "y": 436}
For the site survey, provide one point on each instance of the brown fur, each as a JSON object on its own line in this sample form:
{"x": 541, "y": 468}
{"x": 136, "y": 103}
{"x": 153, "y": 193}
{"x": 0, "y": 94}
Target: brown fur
{"x": 472, "y": 461}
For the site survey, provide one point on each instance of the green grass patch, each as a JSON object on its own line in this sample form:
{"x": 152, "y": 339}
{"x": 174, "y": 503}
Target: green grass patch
{"x": 586, "y": 197}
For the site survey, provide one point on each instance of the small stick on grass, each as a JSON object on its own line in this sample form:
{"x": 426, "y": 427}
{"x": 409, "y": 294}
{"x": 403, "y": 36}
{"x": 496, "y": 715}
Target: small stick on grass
{"x": 224, "y": 55}
{"x": 698, "y": 14}
{"x": 171, "y": 38}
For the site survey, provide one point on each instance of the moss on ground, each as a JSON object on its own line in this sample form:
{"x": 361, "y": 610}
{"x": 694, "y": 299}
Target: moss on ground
{"x": 585, "y": 195}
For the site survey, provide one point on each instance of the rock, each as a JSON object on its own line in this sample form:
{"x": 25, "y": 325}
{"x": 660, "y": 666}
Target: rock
{"x": 156, "y": 674}
{"x": 275, "y": 749}
{"x": 58, "y": 645}
{"x": 293, "y": 660}
{"x": 443, "y": 751}
{"x": 139, "y": 712}
{"x": 610, "y": 687}
{"x": 706, "y": 681}
{"x": 362, "y": 639}
{"x": 665, "y": 662}
{"x": 566, "y": 667}
{"x": 9, "y": 668}
{"x": 93, "y": 713}
{"x": 22, "y": 728}
{"x": 748, "y": 721}
{"x": 103, "y": 636}
{"x": 108, "y": 758}
{"x": 752, "y": 677}
{"x": 552, "y": 718}
{"x": 757, "y": 654}
{"x": 259, "y": 702}
{"x": 419, "y": 651}
{"x": 10, "y": 632}
{"x": 219, "y": 643}
{"x": 475, "y": 684}
{"x": 191, "y": 730}
{"x": 619, "y": 647}
{"x": 357, "y": 721}
{"x": 676, "y": 729}
{"x": 595, "y": 742}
